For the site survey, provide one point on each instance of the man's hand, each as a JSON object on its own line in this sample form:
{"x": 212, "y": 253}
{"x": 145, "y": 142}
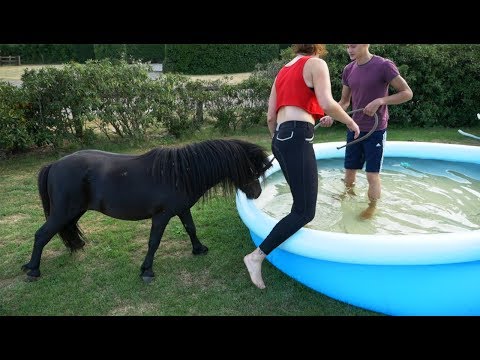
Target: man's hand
{"x": 372, "y": 107}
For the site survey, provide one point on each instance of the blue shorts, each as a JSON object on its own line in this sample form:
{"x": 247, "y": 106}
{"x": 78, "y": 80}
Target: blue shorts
{"x": 369, "y": 151}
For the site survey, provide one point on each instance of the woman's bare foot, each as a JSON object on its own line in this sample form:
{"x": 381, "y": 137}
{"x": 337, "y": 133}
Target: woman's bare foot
{"x": 253, "y": 262}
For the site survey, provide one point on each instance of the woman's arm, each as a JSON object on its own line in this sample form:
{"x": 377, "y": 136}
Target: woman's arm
{"x": 272, "y": 112}
{"x": 323, "y": 91}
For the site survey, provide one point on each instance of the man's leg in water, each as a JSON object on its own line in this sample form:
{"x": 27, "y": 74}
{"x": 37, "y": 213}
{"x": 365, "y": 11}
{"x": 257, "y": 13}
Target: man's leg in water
{"x": 374, "y": 192}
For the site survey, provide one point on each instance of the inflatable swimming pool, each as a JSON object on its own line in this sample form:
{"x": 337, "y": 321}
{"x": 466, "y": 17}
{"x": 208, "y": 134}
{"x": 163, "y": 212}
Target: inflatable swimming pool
{"x": 418, "y": 274}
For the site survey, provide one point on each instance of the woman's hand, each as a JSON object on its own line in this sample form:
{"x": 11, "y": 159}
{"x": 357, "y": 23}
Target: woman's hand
{"x": 326, "y": 121}
{"x": 354, "y": 127}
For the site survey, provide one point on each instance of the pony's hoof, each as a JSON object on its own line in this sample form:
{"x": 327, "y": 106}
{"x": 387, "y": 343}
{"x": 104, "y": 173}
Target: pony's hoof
{"x": 147, "y": 276}
{"x": 200, "y": 251}
{"x": 147, "y": 279}
{"x": 31, "y": 278}
{"x": 26, "y": 267}
{"x": 33, "y": 274}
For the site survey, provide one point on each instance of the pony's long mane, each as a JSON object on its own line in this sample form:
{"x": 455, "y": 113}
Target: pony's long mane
{"x": 219, "y": 163}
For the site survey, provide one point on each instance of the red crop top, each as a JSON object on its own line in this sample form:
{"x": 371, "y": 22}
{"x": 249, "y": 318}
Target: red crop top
{"x": 292, "y": 90}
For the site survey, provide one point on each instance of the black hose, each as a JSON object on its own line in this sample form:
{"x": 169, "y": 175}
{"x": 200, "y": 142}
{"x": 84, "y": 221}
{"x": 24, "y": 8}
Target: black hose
{"x": 364, "y": 136}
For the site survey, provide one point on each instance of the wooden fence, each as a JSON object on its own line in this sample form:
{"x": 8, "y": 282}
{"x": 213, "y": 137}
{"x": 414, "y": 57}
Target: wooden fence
{"x": 10, "y": 60}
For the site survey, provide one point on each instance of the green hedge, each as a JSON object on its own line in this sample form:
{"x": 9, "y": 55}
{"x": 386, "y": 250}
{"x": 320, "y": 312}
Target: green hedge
{"x": 63, "y": 53}
{"x": 445, "y": 80}
{"x": 55, "y": 104}
{"x": 208, "y": 59}
{"x": 110, "y": 51}
{"x": 154, "y": 53}
{"x": 40, "y": 53}
{"x": 84, "y": 52}
{"x": 139, "y": 52}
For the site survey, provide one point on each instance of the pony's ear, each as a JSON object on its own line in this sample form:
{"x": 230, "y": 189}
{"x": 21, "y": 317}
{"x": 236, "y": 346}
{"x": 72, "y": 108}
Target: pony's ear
{"x": 266, "y": 165}
{"x": 270, "y": 163}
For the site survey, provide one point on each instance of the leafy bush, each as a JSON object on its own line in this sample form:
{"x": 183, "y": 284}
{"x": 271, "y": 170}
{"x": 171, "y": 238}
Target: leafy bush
{"x": 122, "y": 99}
{"x": 13, "y": 124}
{"x": 60, "y": 102}
{"x": 177, "y": 102}
{"x": 45, "y": 89}
{"x": 445, "y": 80}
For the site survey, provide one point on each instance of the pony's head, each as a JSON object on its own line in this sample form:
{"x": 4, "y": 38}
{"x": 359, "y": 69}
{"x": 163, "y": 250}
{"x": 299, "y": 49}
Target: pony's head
{"x": 252, "y": 190}
{"x": 198, "y": 167}
{"x": 258, "y": 163}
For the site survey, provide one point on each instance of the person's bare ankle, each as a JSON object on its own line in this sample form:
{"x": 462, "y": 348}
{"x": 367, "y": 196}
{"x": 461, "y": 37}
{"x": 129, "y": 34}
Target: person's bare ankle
{"x": 253, "y": 262}
{"x": 369, "y": 211}
{"x": 350, "y": 190}
{"x": 349, "y": 187}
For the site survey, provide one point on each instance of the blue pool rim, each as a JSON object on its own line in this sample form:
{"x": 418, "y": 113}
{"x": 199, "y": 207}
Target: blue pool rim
{"x": 418, "y": 274}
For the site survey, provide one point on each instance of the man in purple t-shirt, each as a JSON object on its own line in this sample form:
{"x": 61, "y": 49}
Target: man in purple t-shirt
{"x": 366, "y": 81}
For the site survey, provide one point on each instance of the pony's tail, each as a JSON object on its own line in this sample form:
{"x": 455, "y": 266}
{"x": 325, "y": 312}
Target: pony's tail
{"x": 71, "y": 234}
{"x": 43, "y": 189}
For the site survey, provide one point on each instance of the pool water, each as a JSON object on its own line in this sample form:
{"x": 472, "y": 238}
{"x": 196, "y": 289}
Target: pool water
{"x": 419, "y": 196}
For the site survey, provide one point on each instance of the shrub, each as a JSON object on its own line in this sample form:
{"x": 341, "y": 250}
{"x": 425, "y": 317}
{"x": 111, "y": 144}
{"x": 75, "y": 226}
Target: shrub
{"x": 13, "y": 124}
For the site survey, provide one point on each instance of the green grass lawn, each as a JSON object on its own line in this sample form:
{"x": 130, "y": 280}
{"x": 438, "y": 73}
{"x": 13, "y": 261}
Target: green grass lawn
{"x": 103, "y": 278}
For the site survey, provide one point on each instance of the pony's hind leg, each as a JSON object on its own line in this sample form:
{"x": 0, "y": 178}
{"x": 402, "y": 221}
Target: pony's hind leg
{"x": 42, "y": 237}
{"x": 189, "y": 225}
{"x": 159, "y": 222}
{"x": 44, "y": 234}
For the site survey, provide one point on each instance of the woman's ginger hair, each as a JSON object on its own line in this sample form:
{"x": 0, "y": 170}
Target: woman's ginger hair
{"x": 310, "y": 49}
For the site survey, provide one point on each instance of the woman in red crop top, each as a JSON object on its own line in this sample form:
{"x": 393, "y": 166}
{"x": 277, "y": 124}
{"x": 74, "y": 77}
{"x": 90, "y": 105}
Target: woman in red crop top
{"x": 301, "y": 93}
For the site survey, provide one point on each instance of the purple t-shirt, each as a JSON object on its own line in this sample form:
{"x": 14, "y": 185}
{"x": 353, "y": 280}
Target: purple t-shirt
{"x": 368, "y": 82}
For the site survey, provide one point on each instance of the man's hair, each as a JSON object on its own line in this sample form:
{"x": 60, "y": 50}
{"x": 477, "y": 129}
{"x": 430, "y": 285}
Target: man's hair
{"x": 310, "y": 49}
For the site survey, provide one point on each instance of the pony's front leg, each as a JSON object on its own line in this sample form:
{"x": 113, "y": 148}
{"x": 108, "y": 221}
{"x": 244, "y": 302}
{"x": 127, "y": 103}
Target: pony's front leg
{"x": 187, "y": 221}
{"x": 159, "y": 222}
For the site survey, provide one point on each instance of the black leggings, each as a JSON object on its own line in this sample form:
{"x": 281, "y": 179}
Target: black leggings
{"x": 293, "y": 149}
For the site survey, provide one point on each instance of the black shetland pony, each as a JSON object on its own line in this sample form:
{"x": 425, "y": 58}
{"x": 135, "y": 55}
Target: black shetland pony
{"x": 159, "y": 184}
